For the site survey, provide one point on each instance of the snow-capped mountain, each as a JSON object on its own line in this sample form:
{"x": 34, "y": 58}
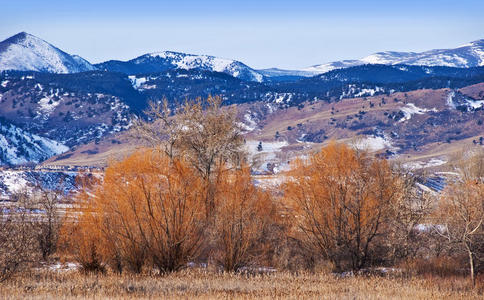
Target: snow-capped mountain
{"x": 466, "y": 56}
{"x": 18, "y": 146}
{"x": 25, "y": 52}
{"x": 167, "y": 60}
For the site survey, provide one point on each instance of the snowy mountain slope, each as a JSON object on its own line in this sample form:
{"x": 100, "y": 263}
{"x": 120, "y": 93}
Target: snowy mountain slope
{"x": 469, "y": 55}
{"x": 18, "y": 146}
{"x": 69, "y": 108}
{"x": 25, "y": 52}
{"x": 16, "y": 181}
{"x": 168, "y": 60}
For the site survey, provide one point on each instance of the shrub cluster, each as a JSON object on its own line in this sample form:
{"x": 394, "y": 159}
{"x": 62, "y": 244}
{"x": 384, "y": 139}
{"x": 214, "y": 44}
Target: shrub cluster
{"x": 150, "y": 211}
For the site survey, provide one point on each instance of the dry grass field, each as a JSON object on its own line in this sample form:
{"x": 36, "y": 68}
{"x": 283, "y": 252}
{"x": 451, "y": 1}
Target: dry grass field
{"x": 191, "y": 284}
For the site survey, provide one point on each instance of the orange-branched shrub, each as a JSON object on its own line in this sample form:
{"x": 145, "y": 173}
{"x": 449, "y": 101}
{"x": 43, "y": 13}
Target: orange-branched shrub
{"x": 149, "y": 209}
{"x": 342, "y": 204}
{"x": 244, "y": 215}
{"x": 79, "y": 235}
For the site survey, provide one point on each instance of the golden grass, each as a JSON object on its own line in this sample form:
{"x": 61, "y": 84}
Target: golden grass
{"x": 208, "y": 285}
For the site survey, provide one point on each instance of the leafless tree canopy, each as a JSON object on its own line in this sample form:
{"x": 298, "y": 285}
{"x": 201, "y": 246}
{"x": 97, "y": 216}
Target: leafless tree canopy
{"x": 18, "y": 246}
{"x": 461, "y": 209}
{"x": 201, "y": 131}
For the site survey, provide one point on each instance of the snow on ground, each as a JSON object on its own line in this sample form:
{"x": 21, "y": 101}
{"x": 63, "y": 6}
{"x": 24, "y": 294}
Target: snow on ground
{"x": 283, "y": 97}
{"x": 64, "y": 267}
{"x": 14, "y": 181}
{"x": 373, "y": 143}
{"x": 470, "y": 103}
{"x": 434, "y": 162}
{"x": 249, "y": 124}
{"x": 269, "y": 148}
{"x": 137, "y": 82}
{"x": 447, "y": 173}
{"x": 267, "y": 155}
{"x": 475, "y": 103}
{"x": 368, "y": 92}
{"x": 426, "y": 189}
{"x": 354, "y": 91}
{"x": 248, "y": 119}
{"x": 410, "y": 109}
{"x": 47, "y": 106}
{"x": 272, "y": 181}
{"x": 450, "y": 98}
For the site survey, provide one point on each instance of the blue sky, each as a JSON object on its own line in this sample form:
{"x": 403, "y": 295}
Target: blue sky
{"x": 262, "y": 34}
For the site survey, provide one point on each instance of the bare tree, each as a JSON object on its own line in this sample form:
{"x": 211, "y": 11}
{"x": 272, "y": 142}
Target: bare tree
{"x": 410, "y": 210}
{"x": 461, "y": 211}
{"x": 469, "y": 163}
{"x": 18, "y": 246}
{"x": 49, "y": 221}
{"x": 463, "y": 205}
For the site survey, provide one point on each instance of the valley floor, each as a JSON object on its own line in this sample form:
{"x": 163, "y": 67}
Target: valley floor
{"x": 207, "y": 285}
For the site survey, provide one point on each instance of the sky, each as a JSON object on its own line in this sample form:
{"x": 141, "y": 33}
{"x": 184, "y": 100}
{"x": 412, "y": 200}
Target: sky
{"x": 285, "y": 34}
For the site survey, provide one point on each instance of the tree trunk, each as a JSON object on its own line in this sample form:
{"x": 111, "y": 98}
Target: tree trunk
{"x": 471, "y": 263}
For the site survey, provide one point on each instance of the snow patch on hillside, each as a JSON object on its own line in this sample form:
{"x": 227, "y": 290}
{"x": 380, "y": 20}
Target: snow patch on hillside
{"x": 47, "y": 106}
{"x": 373, "y": 143}
{"x": 269, "y": 148}
{"x": 450, "y": 100}
{"x": 411, "y": 109}
{"x": 137, "y": 82}
{"x": 248, "y": 123}
{"x": 434, "y": 162}
{"x": 283, "y": 97}
{"x": 475, "y": 103}
{"x": 267, "y": 155}
{"x": 368, "y": 92}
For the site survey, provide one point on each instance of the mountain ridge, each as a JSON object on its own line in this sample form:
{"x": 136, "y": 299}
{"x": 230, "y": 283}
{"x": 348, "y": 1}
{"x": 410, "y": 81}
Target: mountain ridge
{"x": 25, "y": 52}
{"x": 166, "y": 60}
{"x": 468, "y": 55}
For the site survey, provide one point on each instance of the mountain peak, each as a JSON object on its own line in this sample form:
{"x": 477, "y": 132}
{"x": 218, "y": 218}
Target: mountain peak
{"x": 26, "y": 52}
{"x": 169, "y": 60}
{"x": 22, "y": 37}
